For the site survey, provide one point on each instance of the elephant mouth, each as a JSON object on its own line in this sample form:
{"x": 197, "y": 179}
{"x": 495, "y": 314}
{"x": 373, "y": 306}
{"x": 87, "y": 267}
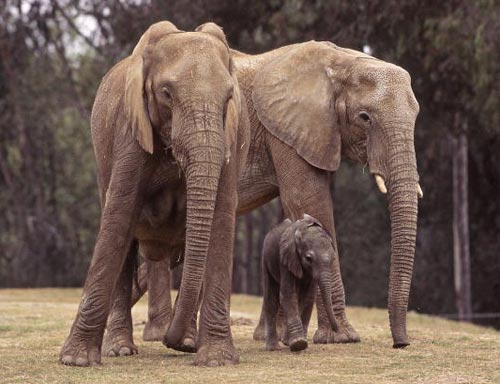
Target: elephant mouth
{"x": 379, "y": 180}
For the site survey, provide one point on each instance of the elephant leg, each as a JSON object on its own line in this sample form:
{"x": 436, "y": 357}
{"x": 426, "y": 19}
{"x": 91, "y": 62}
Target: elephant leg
{"x": 259, "y": 332}
{"x": 289, "y": 302}
{"x": 306, "y": 189}
{"x": 119, "y": 214}
{"x": 118, "y": 340}
{"x": 269, "y": 313}
{"x": 306, "y": 307}
{"x": 159, "y": 301}
{"x": 215, "y": 342}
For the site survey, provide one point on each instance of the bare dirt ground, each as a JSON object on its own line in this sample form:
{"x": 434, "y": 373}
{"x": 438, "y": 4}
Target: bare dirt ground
{"x": 35, "y": 322}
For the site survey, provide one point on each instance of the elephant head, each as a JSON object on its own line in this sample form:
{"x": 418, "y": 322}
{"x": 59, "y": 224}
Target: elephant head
{"x": 326, "y": 101}
{"x": 307, "y": 249}
{"x": 181, "y": 97}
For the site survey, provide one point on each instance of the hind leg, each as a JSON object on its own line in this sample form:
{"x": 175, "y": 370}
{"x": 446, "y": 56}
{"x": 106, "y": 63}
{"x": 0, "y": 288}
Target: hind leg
{"x": 159, "y": 301}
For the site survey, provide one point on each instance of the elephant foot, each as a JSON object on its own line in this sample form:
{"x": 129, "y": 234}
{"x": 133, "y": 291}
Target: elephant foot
{"x": 216, "y": 355}
{"x": 155, "y": 330}
{"x": 345, "y": 334}
{"x": 80, "y": 351}
{"x": 272, "y": 345}
{"x": 119, "y": 343}
{"x": 298, "y": 344}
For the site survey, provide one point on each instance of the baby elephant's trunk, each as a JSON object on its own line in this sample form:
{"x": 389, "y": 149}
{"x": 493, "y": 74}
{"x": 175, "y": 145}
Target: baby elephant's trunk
{"x": 325, "y": 287}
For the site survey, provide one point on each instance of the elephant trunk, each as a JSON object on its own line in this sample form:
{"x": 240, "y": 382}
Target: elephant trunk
{"x": 402, "y": 200}
{"x": 325, "y": 288}
{"x": 201, "y": 156}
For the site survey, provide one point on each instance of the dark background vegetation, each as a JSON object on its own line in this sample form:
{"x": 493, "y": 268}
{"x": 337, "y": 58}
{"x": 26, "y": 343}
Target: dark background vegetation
{"x": 54, "y": 53}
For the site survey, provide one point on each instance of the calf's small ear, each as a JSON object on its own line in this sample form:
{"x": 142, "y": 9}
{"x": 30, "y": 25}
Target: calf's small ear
{"x": 312, "y": 220}
{"x": 289, "y": 256}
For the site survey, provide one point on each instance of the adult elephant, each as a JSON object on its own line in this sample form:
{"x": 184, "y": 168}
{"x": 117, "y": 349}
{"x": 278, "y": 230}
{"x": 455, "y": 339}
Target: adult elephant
{"x": 168, "y": 128}
{"x": 309, "y": 104}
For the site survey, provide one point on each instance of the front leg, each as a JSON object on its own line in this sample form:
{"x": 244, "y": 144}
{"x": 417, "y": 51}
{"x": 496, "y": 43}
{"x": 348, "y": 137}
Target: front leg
{"x": 306, "y": 189}
{"x": 118, "y": 340}
{"x": 290, "y": 304}
{"x": 120, "y": 211}
{"x": 215, "y": 342}
{"x": 306, "y": 306}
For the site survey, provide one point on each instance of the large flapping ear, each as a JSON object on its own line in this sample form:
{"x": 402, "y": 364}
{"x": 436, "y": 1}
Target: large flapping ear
{"x": 134, "y": 100}
{"x": 295, "y": 99}
{"x": 289, "y": 256}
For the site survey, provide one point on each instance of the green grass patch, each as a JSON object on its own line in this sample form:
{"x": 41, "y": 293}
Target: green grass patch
{"x": 35, "y": 322}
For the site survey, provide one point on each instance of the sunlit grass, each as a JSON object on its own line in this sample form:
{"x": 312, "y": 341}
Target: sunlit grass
{"x": 35, "y": 322}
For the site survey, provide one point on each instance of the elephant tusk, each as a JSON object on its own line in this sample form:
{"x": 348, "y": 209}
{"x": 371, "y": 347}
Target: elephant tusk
{"x": 381, "y": 184}
{"x": 419, "y": 191}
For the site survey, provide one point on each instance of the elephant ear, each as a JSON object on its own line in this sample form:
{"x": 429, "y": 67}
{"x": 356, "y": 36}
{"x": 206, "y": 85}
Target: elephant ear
{"x": 293, "y": 98}
{"x": 214, "y": 30}
{"x": 289, "y": 256}
{"x": 134, "y": 101}
{"x": 232, "y": 118}
{"x": 312, "y": 220}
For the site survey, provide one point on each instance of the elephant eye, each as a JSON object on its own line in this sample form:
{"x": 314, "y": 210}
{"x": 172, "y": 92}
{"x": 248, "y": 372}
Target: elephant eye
{"x": 166, "y": 93}
{"x": 309, "y": 255}
{"x": 364, "y": 116}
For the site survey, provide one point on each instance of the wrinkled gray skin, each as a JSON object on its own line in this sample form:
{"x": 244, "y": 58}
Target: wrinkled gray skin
{"x": 310, "y": 104}
{"x": 168, "y": 128}
{"x": 318, "y": 102}
{"x": 296, "y": 258}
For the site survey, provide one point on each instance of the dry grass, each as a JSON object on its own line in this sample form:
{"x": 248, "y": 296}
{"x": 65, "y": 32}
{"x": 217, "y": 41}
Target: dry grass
{"x": 34, "y": 324}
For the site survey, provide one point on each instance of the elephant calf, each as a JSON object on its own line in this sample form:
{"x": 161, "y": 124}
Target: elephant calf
{"x": 296, "y": 257}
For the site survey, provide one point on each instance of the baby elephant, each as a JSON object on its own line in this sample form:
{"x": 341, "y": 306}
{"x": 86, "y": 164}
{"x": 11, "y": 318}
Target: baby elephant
{"x": 297, "y": 256}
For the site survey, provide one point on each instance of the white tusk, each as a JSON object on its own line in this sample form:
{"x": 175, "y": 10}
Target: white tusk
{"x": 381, "y": 184}
{"x": 419, "y": 191}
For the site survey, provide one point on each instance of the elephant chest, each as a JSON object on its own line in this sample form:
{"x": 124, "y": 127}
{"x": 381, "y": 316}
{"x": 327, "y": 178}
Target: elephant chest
{"x": 163, "y": 214}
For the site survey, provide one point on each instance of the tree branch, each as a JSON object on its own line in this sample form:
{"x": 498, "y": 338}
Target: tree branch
{"x": 73, "y": 26}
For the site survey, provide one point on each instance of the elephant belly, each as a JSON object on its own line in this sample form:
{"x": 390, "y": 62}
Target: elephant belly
{"x": 253, "y": 193}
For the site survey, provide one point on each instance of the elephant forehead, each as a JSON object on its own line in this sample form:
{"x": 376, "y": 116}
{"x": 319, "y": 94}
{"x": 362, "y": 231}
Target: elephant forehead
{"x": 317, "y": 237}
{"x": 385, "y": 84}
{"x": 193, "y": 44}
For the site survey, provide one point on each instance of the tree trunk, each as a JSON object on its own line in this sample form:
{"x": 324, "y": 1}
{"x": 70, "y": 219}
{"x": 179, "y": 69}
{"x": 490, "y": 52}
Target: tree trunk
{"x": 461, "y": 253}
